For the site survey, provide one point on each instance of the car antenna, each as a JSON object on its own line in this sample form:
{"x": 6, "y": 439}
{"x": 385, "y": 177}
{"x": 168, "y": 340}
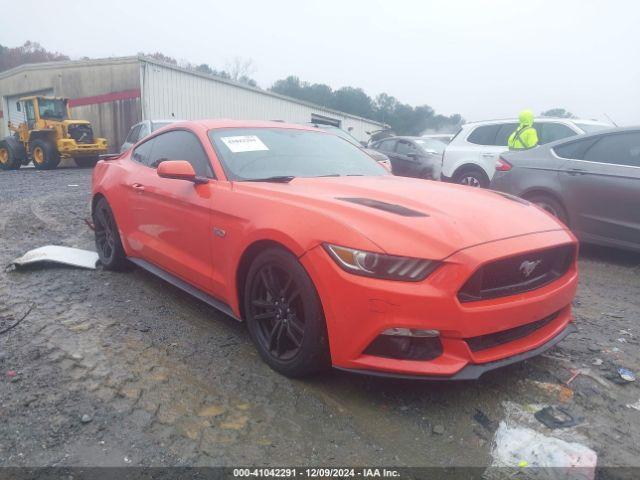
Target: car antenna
{"x": 611, "y": 120}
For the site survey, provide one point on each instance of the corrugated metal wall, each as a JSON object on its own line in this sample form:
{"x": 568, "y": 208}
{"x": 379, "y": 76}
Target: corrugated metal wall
{"x": 111, "y": 118}
{"x": 174, "y": 93}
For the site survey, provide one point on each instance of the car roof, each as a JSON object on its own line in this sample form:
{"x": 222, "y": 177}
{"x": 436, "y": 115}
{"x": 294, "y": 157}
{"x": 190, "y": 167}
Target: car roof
{"x": 538, "y": 120}
{"x": 213, "y": 124}
{"x": 407, "y": 137}
{"x": 46, "y": 97}
{"x": 165, "y": 120}
{"x": 592, "y": 134}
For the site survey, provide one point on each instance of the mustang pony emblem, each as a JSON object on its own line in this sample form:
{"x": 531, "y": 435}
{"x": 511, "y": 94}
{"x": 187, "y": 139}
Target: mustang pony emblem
{"x": 528, "y": 266}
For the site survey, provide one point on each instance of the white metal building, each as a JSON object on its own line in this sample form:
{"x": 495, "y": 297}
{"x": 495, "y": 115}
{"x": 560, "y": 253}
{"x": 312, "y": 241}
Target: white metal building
{"x": 115, "y": 93}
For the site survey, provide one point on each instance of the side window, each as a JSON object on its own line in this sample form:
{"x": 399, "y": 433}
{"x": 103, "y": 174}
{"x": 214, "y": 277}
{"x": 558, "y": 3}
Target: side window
{"x": 505, "y": 131}
{"x": 405, "y": 147}
{"x": 142, "y": 153}
{"x": 484, "y": 135}
{"x": 181, "y": 145}
{"x": 143, "y": 132}
{"x": 574, "y": 150}
{"x": 616, "y": 149}
{"x": 550, "y": 132}
{"x": 386, "y": 145}
{"x": 133, "y": 134}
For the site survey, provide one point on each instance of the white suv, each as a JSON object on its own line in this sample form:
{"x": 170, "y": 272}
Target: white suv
{"x": 471, "y": 156}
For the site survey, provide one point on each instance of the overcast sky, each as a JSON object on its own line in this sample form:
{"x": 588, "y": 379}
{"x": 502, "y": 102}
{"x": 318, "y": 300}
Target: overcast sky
{"x": 482, "y": 59}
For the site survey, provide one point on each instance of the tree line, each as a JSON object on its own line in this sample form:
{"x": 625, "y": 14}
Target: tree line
{"x": 403, "y": 118}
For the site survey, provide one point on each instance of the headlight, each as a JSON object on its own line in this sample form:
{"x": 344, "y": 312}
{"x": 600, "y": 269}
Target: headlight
{"x": 389, "y": 267}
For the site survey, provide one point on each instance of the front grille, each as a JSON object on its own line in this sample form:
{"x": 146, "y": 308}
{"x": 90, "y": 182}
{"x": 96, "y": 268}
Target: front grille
{"x": 81, "y": 133}
{"x": 518, "y": 274}
{"x": 484, "y": 342}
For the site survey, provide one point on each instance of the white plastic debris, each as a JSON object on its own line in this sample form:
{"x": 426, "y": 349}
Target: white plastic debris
{"x": 557, "y": 459}
{"x": 635, "y": 406}
{"x": 64, "y": 255}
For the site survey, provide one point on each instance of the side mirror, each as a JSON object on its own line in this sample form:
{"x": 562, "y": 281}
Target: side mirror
{"x": 179, "y": 170}
{"x": 413, "y": 156}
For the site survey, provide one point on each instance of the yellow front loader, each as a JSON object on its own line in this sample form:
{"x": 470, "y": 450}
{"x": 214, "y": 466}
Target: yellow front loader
{"x": 47, "y": 135}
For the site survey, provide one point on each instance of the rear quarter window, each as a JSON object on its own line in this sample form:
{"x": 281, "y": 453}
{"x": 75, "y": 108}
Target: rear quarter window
{"x": 505, "y": 131}
{"x": 484, "y": 135}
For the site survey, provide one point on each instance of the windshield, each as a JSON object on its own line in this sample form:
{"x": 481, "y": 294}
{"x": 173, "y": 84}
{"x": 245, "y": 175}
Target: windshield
{"x": 591, "y": 127}
{"x": 258, "y": 153}
{"x": 432, "y": 144}
{"x": 52, "y": 109}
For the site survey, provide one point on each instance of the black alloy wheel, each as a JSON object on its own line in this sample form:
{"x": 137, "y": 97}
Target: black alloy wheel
{"x": 284, "y": 315}
{"x": 276, "y": 305}
{"x": 107, "y": 238}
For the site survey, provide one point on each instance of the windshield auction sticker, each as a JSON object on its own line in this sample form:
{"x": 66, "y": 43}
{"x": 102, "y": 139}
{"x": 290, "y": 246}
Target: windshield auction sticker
{"x": 244, "y": 143}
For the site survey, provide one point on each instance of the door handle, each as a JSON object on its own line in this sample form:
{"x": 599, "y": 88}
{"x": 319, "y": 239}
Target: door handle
{"x": 138, "y": 187}
{"x": 576, "y": 171}
{"x": 489, "y": 155}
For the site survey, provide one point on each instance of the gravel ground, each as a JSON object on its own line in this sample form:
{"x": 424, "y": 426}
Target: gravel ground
{"x": 123, "y": 369}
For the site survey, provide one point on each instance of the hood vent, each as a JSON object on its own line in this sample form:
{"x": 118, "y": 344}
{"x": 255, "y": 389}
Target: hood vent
{"x": 386, "y": 207}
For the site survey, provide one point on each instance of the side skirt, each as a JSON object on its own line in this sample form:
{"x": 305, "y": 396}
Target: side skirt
{"x": 184, "y": 286}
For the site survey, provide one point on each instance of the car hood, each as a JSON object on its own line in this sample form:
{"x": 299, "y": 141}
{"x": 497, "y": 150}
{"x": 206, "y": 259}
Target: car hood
{"x": 405, "y": 216}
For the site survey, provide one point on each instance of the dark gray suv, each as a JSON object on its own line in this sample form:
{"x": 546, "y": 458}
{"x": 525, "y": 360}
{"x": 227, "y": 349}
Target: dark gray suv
{"x": 590, "y": 182}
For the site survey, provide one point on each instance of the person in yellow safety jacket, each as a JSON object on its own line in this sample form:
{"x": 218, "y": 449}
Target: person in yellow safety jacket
{"x": 525, "y": 135}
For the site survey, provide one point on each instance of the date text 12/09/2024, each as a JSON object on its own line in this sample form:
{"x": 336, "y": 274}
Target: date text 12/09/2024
{"x": 316, "y": 472}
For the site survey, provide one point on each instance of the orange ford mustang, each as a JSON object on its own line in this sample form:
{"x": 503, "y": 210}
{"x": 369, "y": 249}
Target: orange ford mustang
{"x": 329, "y": 259}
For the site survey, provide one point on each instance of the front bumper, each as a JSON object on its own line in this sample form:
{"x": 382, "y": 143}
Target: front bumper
{"x": 357, "y": 309}
{"x": 474, "y": 372}
{"x": 68, "y": 147}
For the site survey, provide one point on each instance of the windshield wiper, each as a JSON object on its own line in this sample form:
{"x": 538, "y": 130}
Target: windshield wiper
{"x": 274, "y": 179}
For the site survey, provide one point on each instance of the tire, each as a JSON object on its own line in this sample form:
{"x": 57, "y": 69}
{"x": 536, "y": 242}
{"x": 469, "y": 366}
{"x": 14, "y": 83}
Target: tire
{"x": 471, "y": 176}
{"x": 86, "y": 162}
{"x": 107, "y": 238}
{"x": 551, "y": 205}
{"x": 45, "y": 156}
{"x": 284, "y": 315}
{"x": 11, "y": 154}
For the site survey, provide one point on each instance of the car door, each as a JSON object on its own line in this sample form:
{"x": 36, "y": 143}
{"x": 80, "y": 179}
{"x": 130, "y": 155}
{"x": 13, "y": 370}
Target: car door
{"x": 388, "y": 147}
{"x": 602, "y": 188}
{"x": 172, "y": 218}
{"x": 409, "y": 158}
